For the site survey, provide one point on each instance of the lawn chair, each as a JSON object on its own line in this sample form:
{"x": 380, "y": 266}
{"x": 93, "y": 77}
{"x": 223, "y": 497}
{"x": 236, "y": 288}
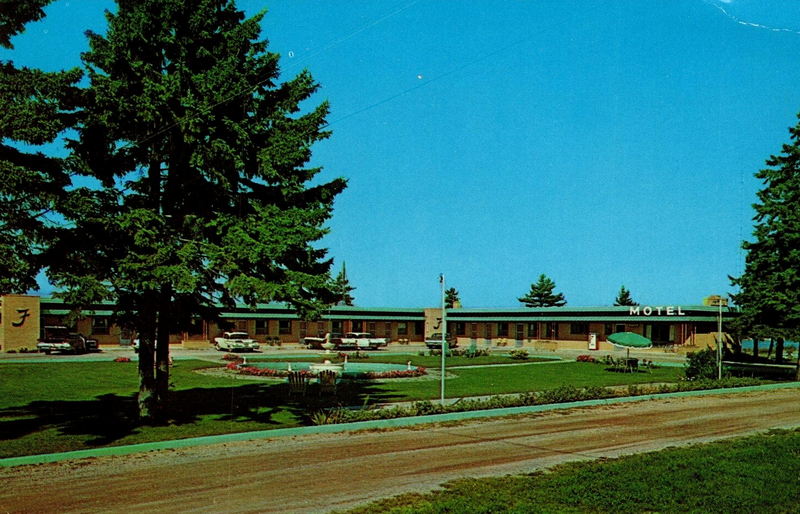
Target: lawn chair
{"x": 298, "y": 383}
{"x": 327, "y": 382}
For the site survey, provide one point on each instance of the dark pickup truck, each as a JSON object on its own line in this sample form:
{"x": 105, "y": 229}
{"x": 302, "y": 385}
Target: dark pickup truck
{"x": 60, "y": 339}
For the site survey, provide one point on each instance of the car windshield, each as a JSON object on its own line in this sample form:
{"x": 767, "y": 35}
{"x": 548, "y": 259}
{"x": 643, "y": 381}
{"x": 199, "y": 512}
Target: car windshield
{"x": 238, "y": 335}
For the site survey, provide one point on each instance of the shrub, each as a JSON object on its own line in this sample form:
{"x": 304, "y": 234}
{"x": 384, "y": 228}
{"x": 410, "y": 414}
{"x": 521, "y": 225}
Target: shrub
{"x": 232, "y": 357}
{"x": 563, "y": 394}
{"x": 701, "y": 365}
{"x": 519, "y": 354}
{"x": 122, "y": 359}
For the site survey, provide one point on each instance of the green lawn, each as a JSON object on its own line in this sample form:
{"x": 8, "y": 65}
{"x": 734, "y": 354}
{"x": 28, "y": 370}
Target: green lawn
{"x": 52, "y": 407}
{"x": 753, "y": 474}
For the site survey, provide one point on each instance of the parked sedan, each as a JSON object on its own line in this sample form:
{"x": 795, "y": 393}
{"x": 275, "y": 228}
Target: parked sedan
{"x": 434, "y": 341}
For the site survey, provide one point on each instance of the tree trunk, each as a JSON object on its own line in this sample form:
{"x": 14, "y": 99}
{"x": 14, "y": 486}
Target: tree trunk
{"x": 162, "y": 354}
{"x": 797, "y": 369}
{"x": 755, "y": 349}
{"x": 146, "y": 330}
{"x": 147, "y": 384}
{"x": 771, "y": 346}
{"x": 779, "y": 351}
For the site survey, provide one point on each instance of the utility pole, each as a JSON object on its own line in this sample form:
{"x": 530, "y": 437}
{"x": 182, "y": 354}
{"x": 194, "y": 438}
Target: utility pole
{"x": 444, "y": 335}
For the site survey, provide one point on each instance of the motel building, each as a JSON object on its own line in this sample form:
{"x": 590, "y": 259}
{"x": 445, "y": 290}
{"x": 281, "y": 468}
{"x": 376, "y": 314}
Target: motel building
{"x": 680, "y": 328}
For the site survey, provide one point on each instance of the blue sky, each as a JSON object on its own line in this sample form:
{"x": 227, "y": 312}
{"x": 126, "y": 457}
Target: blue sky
{"x": 494, "y": 141}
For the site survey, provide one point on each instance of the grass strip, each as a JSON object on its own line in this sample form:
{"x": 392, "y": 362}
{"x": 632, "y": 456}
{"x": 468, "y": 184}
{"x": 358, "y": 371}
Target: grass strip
{"x": 752, "y": 474}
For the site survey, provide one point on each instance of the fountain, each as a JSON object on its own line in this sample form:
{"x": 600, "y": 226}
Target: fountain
{"x": 326, "y": 365}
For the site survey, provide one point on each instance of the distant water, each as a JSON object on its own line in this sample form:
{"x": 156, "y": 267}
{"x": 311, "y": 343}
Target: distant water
{"x": 747, "y": 344}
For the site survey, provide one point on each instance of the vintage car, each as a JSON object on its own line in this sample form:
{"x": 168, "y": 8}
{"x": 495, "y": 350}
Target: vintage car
{"x": 362, "y": 341}
{"x": 316, "y": 343}
{"x": 60, "y": 339}
{"x": 235, "y": 341}
{"x": 434, "y": 341}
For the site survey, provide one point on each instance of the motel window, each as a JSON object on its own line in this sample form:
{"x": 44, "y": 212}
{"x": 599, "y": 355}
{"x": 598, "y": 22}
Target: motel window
{"x": 387, "y": 329}
{"x": 262, "y": 327}
{"x": 371, "y": 328}
{"x": 608, "y": 329}
{"x": 579, "y": 328}
{"x": 461, "y": 328}
{"x": 358, "y": 326}
{"x": 402, "y": 328}
{"x": 533, "y": 331}
{"x": 285, "y": 327}
{"x": 337, "y": 327}
{"x": 619, "y": 328}
{"x": 502, "y": 330}
{"x": 100, "y": 326}
{"x": 419, "y": 328}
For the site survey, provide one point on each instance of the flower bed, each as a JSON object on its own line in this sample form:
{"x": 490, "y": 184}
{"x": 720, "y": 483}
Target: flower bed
{"x": 122, "y": 359}
{"x": 370, "y": 375}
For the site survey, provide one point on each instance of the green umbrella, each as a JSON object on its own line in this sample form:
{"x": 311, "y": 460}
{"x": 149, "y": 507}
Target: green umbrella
{"x": 629, "y": 340}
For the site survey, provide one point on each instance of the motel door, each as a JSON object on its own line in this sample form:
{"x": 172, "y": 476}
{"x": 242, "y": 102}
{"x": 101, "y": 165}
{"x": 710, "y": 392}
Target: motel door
{"x": 519, "y": 334}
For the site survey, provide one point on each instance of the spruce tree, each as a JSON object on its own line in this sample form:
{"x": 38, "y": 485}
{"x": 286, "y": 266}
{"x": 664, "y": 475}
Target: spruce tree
{"x": 541, "y": 294}
{"x": 202, "y": 155}
{"x": 37, "y": 108}
{"x": 624, "y": 297}
{"x": 451, "y": 297}
{"x": 769, "y": 289}
{"x": 342, "y": 288}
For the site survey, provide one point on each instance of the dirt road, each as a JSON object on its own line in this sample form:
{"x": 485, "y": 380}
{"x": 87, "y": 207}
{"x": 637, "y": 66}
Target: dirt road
{"x": 323, "y": 472}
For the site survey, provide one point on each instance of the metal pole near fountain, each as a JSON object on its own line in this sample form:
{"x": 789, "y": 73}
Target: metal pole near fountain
{"x": 444, "y": 334}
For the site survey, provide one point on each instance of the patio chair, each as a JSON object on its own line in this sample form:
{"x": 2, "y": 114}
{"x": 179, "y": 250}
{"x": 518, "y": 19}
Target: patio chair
{"x": 327, "y": 382}
{"x": 298, "y": 383}
{"x": 616, "y": 364}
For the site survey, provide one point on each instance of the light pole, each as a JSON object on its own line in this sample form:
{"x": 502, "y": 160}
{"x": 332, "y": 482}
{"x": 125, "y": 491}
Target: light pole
{"x": 719, "y": 301}
{"x": 444, "y": 335}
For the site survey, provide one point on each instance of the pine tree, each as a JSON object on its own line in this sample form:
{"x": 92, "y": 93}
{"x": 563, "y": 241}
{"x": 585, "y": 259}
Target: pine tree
{"x": 202, "y": 155}
{"x": 541, "y": 294}
{"x": 37, "y": 107}
{"x": 342, "y": 288}
{"x": 769, "y": 289}
{"x": 624, "y": 297}
{"x": 451, "y": 297}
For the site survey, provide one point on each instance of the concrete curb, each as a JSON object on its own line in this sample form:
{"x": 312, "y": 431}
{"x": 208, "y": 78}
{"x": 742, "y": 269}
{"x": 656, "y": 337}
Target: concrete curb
{"x": 363, "y": 425}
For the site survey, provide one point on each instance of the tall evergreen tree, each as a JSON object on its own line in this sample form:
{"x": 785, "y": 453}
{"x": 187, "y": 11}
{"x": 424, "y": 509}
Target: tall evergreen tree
{"x": 769, "y": 289}
{"x": 451, "y": 297}
{"x": 541, "y": 294}
{"x": 342, "y": 288}
{"x": 38, "y": 106}
{"x": 624, "y": 297}
{"x": 203, "y": 156}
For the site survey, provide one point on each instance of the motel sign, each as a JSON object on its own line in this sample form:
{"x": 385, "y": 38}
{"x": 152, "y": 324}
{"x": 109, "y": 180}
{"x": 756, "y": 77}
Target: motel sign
{"x": 660, "y": 310}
